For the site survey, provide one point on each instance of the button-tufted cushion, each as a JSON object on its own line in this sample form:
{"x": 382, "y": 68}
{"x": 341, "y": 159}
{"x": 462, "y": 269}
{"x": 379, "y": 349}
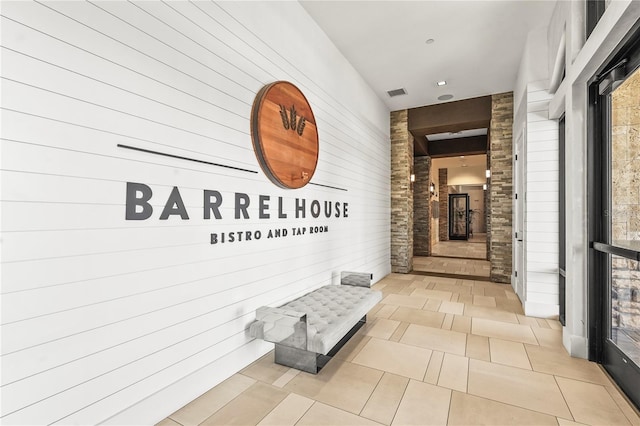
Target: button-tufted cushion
{"x": 332, "y": 311}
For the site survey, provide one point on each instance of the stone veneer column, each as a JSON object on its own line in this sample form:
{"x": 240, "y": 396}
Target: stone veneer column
{"x": 422, "y": 207}
{"x": 443, "y": 195}
{"x": 501, "y": 187}
{"x": 401, "y": 194}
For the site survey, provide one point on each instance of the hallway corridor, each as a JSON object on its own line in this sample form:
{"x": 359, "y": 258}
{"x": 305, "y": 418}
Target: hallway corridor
{"x": 435, "y": 351}
{"x": 460, "y": 258}
{"x": 474, "y": 248}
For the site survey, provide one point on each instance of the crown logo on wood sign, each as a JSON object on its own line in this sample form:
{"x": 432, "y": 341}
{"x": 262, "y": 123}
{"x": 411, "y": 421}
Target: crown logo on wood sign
{"x": 289, "y": 122}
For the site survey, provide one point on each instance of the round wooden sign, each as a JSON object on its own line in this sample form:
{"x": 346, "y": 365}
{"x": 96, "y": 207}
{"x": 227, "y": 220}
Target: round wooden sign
{"x": 284, "y": 134}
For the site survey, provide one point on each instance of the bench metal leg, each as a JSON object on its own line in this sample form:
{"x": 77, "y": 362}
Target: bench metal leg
{"x": 311, "y": 362}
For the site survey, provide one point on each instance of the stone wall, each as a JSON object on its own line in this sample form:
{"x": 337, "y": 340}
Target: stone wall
{"x": 443, "y": 194}
{"x": 625, "y": 173}
{"x": 401, "y": 194}
{"x": 501, "y": 187}
{"x": 422, "y": 207}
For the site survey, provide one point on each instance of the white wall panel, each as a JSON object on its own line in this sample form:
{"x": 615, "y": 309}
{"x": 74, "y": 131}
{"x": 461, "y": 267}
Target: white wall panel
{"x": 100, "y": 314}
{"x": 541, "y": 199}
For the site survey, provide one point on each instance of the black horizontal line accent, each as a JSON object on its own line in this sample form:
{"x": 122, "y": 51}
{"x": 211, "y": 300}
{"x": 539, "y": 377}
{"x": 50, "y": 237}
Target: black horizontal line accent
{"x": 328, "y": 186}
{"x": 180, "y": 157}
{"x": 105, "y": 156}
{"x": 330, "y": 112}
{"x": 82, "y": 126}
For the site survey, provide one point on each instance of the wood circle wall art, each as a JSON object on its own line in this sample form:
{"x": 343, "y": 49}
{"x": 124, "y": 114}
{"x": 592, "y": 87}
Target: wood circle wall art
{"x": 284, "y": 135}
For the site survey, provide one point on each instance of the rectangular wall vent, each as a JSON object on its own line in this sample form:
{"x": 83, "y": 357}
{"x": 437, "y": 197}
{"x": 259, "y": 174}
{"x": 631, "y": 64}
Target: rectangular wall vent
{"x": 397, "y": 92}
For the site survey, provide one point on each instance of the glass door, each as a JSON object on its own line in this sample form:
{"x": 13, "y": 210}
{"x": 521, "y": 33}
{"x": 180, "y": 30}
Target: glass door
{"x": 458, "y": 216}
{"x": 616, "y": 243}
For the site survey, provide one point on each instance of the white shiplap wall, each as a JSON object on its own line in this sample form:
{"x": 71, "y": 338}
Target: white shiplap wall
{"x": 105, "y": 319}
{"x": 541, "y": 218}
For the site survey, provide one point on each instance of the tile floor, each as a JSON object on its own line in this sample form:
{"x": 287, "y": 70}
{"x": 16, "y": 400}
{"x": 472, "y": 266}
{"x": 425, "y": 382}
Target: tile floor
{"x": 435, "y": 351}
{"x": 474, "y": 248}
{"x": 451, "y": 266}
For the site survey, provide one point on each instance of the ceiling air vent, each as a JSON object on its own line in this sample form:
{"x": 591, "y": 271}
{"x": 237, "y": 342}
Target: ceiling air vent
{"x": 396, "y": 92}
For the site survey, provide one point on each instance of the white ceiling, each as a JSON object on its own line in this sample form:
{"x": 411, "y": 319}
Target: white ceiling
{"x": 477, "y": 49}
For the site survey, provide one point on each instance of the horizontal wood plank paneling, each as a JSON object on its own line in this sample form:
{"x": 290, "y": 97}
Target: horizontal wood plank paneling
{"x": 542, "y": 175}
{"x": 100, "y": 314}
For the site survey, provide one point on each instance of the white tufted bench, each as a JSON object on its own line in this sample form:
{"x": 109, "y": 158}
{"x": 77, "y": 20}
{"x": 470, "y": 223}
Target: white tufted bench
{"x": 309, "y": 330}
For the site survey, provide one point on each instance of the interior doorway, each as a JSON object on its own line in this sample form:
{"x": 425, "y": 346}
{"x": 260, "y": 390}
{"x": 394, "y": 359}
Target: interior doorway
{"x": 457, "y": 218}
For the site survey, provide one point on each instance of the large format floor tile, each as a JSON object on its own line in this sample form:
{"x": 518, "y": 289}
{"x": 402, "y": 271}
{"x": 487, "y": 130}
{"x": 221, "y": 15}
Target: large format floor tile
{"x": 515, "y": 386}
{"x": 384, "y": 401}
{"x": 419, "y": 316}
{"x": 423, "y": 404}
{"x": 436, "y": 339}
{"x": 397, "y": 358}
{"x": 559, "y": 363}
{"x": 416, "y": 302}
{"x": 504, "y": 331}
{"x": 469, "y": 410}
{"x": 342, "y": 385}
{"x": 590, "y": 403}
{"x": 509, "y": 353}
{"x": 288, "y": 412}
{"x": 475, "y": 247}
{"x": 435, "y": 350}
{"x": 490, "y": 313}
{"x": 250, "y": 407}
{"x": 207, "y": 404}
{"x": 454, "y": 372}
{"x": 322, "y": 415}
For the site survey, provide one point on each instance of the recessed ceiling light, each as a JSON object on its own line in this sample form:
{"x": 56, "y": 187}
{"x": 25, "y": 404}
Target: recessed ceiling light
{"x": 441, "y": 83}
{"x": 429, "y": 41}
{"x": 445, "y": 97}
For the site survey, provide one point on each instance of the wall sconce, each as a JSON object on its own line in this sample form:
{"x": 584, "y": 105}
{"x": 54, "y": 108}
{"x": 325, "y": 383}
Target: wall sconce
{"x": 412, "y": 178}
{"x": 487, "y": 173}
{"x": 484, "y": 186}
{"x": 432, "y": 189}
